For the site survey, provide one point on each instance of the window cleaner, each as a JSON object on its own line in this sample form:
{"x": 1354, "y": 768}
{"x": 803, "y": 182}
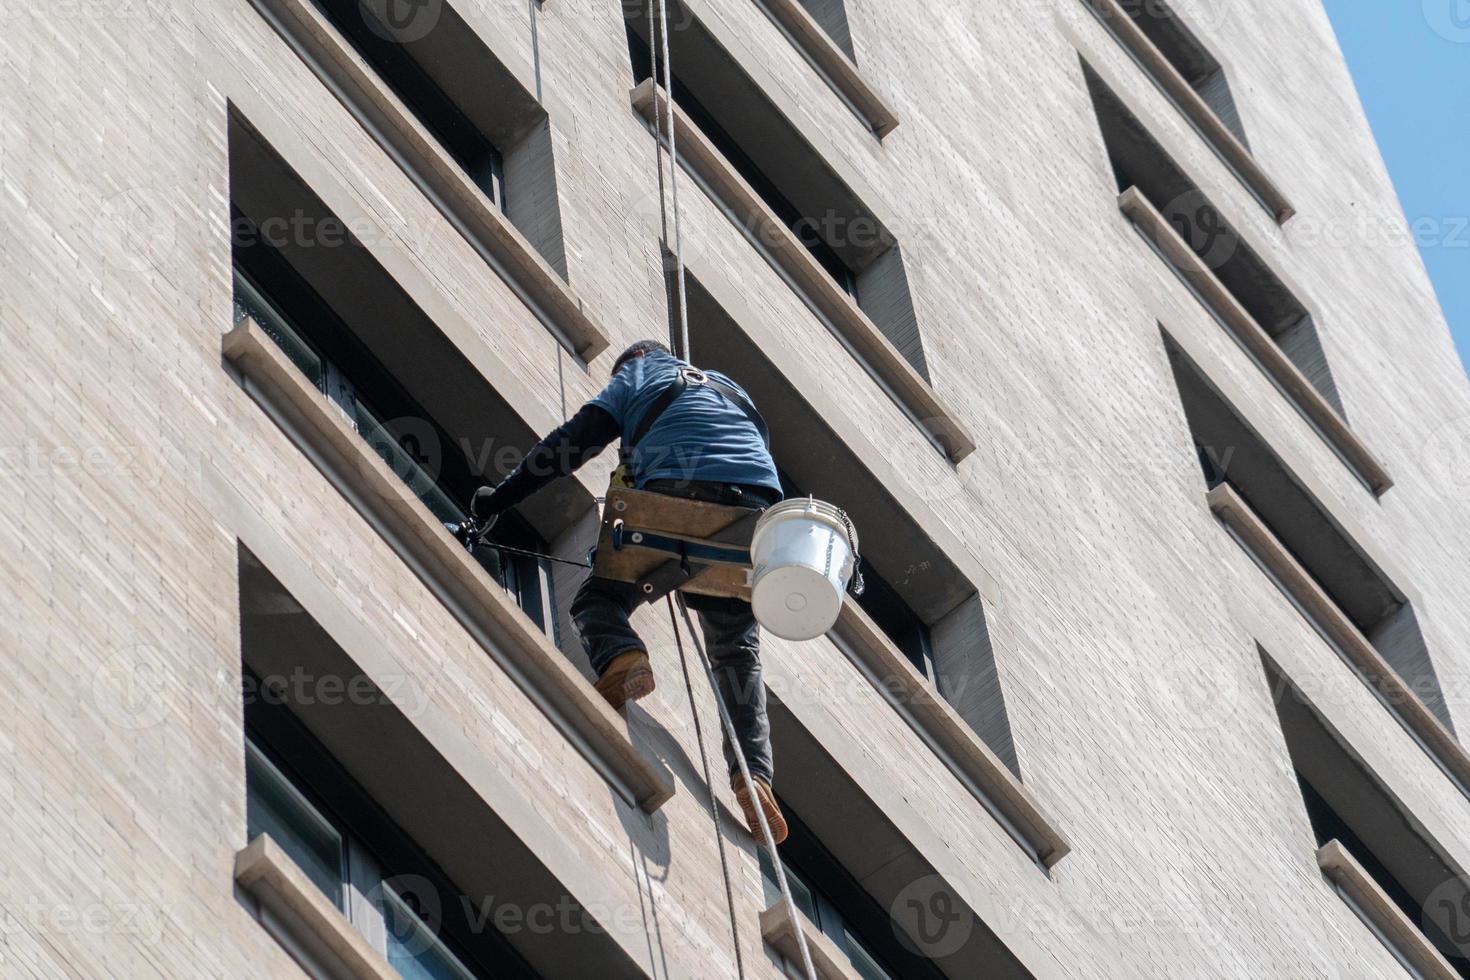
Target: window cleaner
{"x": 696, "y": 437}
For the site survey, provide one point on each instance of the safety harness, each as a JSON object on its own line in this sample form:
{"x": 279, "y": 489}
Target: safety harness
{"x": 685, "y": 378}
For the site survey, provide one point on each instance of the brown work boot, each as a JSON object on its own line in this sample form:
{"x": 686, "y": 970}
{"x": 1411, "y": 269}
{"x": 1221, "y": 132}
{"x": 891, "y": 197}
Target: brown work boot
{"x": 774, "y": 819}
{"x": 627, "y": 678}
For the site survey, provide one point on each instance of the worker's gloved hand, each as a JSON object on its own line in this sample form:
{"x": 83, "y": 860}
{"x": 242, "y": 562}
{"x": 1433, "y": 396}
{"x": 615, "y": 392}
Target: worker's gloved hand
{"x": 482, "y": 505}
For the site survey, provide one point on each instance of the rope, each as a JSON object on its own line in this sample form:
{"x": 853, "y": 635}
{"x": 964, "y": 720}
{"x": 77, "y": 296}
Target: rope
{"x": 535, "y": 554}
{"x": 760, "y": 813}
{"x": 663, "y": 16}
{"x": 682, "y": 349}
{"x": 714, "y": 803}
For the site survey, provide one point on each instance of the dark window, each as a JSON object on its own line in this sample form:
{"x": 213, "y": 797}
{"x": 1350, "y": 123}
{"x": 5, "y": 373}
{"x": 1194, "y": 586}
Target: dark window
{"x": 1232, "y": 452}
{"x": 1182, "y": 49}
{"x": 831, "y": 17}
{"x": 803, "y": 227}
{"x": 435, "y": 109}
{"x": 1138, "y": 160}
{"x": 894, "y": 617}
{"x": 1347, "y": 803}
{"x": 295, "y": 316}
{"x": 393, "y": 893}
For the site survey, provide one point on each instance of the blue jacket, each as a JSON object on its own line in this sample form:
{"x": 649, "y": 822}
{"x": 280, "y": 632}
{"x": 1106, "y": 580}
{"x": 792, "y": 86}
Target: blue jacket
{"x": 701, "y": 436}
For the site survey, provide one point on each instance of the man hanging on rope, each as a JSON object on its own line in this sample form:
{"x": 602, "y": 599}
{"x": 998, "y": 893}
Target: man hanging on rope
{"x": 689, "y": 434}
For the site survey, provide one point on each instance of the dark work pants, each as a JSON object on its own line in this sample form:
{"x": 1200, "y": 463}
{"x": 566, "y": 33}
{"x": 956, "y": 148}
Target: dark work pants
{"x": 731, "y": 638}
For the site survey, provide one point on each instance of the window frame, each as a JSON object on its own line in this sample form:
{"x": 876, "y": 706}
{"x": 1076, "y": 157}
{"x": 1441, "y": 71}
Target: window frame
{"x": 528, "y": 580}
{"x": 375, "y": 850}
{"x": 419, "y": 93}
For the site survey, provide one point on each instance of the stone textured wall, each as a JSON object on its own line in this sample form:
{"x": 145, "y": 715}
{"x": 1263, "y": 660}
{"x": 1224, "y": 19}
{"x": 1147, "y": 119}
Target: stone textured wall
{"x": 1126, "y": 621}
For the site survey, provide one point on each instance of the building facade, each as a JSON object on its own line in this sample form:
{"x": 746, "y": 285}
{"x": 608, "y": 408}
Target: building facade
{"x": 1099, "y": 317}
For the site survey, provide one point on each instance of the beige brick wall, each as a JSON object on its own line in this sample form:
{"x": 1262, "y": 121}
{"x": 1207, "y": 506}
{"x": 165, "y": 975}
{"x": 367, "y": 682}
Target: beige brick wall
{"x": 1125, "y": 622}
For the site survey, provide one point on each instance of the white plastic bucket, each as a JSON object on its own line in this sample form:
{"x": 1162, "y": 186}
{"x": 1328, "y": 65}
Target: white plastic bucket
{"x": 801, "y": 561}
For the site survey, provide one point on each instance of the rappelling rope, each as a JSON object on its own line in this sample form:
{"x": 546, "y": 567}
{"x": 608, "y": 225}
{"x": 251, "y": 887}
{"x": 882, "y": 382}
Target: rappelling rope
{"x": 682, "y": 345}
{"x": 714, "y": 802}
{"x": 760, "y": 812}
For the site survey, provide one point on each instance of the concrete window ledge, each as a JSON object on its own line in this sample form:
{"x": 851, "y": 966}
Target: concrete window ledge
{"x": 1302, "y": 589}
{"x": 1368, "y": 900}
{"x": 1239, "y": 159}
{"x": 290, "y": 904}
{"x": 1259, "y": 344}
{"x": 833, "y": 64}
{"x": 393, "y": 125}
{"x": 786, "y": 254}
{"x": 778, "y": 929}
{"x": 465, "y": 588}
{"x": 957, "y": 745}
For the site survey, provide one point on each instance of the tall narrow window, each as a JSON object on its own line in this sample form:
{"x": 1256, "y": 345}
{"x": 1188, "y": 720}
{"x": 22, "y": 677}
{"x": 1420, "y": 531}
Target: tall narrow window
{"x": 440, "y": 114}
{"x": 390, "y": 891}
{"x": 841, "y": 233}
{"x": 807, "y": 229}
{"x": 1139, "y": 161}
{"x": 1185, "y": 52}
{"x": 1347, "y": 803}
{"x": 1233, "y": 453}
{"x": 296, "y": 317}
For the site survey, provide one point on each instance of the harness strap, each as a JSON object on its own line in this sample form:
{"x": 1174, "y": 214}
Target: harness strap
{"x": 686, "y": 378}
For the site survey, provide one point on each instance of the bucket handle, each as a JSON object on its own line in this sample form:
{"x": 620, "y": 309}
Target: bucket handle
{"x": 856, "y": 584}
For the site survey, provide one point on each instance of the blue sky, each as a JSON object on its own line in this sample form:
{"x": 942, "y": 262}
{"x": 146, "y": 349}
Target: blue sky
{"x": 1411, "y": 62}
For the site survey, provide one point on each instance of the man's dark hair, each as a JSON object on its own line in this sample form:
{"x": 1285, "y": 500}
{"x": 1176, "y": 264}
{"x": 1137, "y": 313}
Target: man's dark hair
{"x": 638, "y": 350}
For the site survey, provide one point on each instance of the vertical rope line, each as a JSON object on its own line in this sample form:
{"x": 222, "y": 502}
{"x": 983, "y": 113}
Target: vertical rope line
{"x": 663, "y": 16}
{"x": 760, "y": 812}
{"x": 714, "y": 801}
{"x": 658, "y": 133}
{"x": 535, "y": 47}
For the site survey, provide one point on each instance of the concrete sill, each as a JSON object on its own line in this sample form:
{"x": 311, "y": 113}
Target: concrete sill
{"x": 779, "y": 931}
{"x": 1299, "y": 586}
{"x": 932, "y": 718}
{"x": 1259, "y": 344}
{"x": 420, "y": 156}
{"x": 1195, "y": 109}
{"x": 833, "y": 64}
{"x": 290, "y": 903}
{"x": 1398, "y": 932}
{"x": 465, "y": 588}
{"x": 787, "y": 256}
